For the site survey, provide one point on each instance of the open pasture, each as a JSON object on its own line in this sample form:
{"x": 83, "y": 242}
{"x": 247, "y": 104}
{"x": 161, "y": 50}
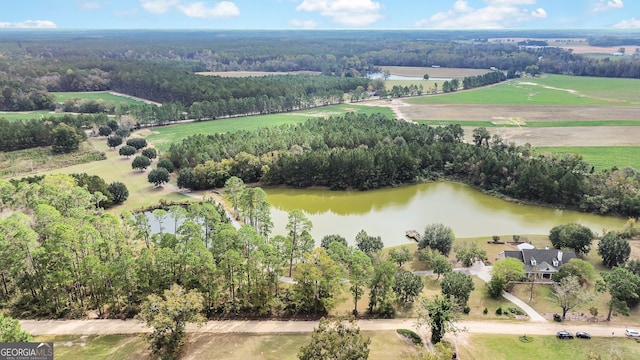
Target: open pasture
{"x": 163, "y": 137}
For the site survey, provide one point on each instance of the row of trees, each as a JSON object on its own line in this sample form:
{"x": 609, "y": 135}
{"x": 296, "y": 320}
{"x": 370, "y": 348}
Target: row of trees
{"x": 366, "y": 152}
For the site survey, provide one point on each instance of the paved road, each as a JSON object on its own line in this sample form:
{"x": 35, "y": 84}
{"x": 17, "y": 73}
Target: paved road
{"x": 108, "y": 327}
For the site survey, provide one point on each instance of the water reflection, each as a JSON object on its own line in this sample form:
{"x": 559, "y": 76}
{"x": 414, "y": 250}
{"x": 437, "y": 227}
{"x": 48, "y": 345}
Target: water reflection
{"x": 390, "y": 212}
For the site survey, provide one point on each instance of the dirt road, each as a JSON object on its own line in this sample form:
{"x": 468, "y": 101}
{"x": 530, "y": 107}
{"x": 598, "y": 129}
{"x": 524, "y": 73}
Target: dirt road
{"x": 107, "y": 327}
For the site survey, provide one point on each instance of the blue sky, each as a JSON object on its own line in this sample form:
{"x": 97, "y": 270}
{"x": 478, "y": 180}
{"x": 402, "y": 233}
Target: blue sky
{"x": 321, "y": 14}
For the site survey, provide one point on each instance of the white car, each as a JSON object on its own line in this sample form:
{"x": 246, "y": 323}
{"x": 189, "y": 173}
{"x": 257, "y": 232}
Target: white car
{"x": 632, "y": 332}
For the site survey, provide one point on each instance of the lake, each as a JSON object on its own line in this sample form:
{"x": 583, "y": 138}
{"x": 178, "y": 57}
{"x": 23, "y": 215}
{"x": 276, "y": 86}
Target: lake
{"x": 392, "y": 211}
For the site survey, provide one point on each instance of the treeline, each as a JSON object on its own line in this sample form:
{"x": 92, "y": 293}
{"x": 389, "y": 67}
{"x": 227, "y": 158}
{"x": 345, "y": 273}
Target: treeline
{"x": 493, "y": 77}
{"x": 18, "y": 135}
{"x": 366, "y": 152}
{"x": 613, "y": 41}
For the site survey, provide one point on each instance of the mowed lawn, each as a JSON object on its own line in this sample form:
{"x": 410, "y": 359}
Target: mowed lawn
{"x": 508, "y": 347}
{"x": 163, "y": 137}
{"x": 385, "y": 345}
{"x": 549, "y": 90}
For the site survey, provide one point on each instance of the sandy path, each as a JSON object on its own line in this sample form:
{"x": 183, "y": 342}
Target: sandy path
{"x": 107, "y": 327}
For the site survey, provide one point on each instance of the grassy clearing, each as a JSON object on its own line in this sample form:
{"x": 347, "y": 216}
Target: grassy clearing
{"x": 602, "y": 157}
{"x": 96, "y": 95}
{"x": 30, "y": 161}
{"x": 28, "y": 115}
{"x": 507, "y": 347}
{"x": 103, "y": 347}
{"x": 550, "y": 90}
{"x": 163, "y": 137}
{"x": 118, "y": 168}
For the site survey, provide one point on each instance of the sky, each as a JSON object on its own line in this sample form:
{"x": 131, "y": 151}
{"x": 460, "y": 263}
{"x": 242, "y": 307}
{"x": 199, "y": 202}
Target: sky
{"x": 321, "y": 14}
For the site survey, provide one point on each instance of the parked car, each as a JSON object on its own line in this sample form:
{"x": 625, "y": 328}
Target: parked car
{"x": 583, "y": 335}
{"x": 563, "y": 334}
{"x": 632, "y": 332}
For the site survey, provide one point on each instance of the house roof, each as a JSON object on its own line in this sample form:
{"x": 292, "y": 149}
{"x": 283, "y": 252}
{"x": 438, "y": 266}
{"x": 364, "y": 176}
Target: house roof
{"x": 541, "y": 260}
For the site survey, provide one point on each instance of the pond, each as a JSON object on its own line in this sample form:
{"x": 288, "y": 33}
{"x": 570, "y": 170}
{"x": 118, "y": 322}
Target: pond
{"x": 390, "y": 212}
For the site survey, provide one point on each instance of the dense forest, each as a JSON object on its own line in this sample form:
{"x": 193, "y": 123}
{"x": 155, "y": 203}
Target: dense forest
{"x": 367, "y": 152}
{"x": 35, "y": 63}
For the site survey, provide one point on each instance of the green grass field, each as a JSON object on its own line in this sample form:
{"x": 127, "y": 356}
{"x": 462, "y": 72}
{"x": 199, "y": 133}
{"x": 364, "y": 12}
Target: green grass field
{"x": 163, "y": 137}
{"x": 28, "y": 115}
{"x": 602, "y": 157}
{"x": 508, "y": 347}
{"x": 96, "y": 95}
{"x": 550, "y": 90}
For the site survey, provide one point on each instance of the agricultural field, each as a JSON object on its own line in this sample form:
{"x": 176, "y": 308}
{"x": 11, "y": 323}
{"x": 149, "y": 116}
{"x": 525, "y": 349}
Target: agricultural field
{"x": 162, "y": 137}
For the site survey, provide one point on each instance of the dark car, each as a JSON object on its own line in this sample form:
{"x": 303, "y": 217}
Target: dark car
{"x": 583, "y": 335}
{"x": 562, "y": 334}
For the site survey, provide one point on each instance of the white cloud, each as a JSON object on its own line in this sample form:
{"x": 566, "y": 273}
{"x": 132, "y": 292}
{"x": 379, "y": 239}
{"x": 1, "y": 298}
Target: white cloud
{"x": 158, "y": 6}
{"x": 633, "y": 23}
{"x": 605, "y": 5}
{"x": 223, "y": 9}
{"x": 29, "y": 24}
{"x": 345, "y": 12}
{"x": 90, "y": 5}
{"x": 304, "y": 24}
{"x": 496, "y": 14}
{"x": 198, "y": 9}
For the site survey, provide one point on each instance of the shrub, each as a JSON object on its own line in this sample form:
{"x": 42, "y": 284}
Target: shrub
{"x": 485, "y": 311}
{"x": 516, "y": 311}
{"x": 466, "y": 309}
{"x": 167, "y": 164}
{"x": 499, "y": 311}
{"x": 127, "y": 150}
{"x": 151, "y": 153}
{"x": 411, "y": 335}
{"x": 104, "y": 131}
{"x": 496, "y": 238}
{"x": 137, "y": 143}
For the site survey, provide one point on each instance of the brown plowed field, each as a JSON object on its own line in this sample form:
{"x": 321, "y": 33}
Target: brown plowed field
{"x": 543, "y": 136}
